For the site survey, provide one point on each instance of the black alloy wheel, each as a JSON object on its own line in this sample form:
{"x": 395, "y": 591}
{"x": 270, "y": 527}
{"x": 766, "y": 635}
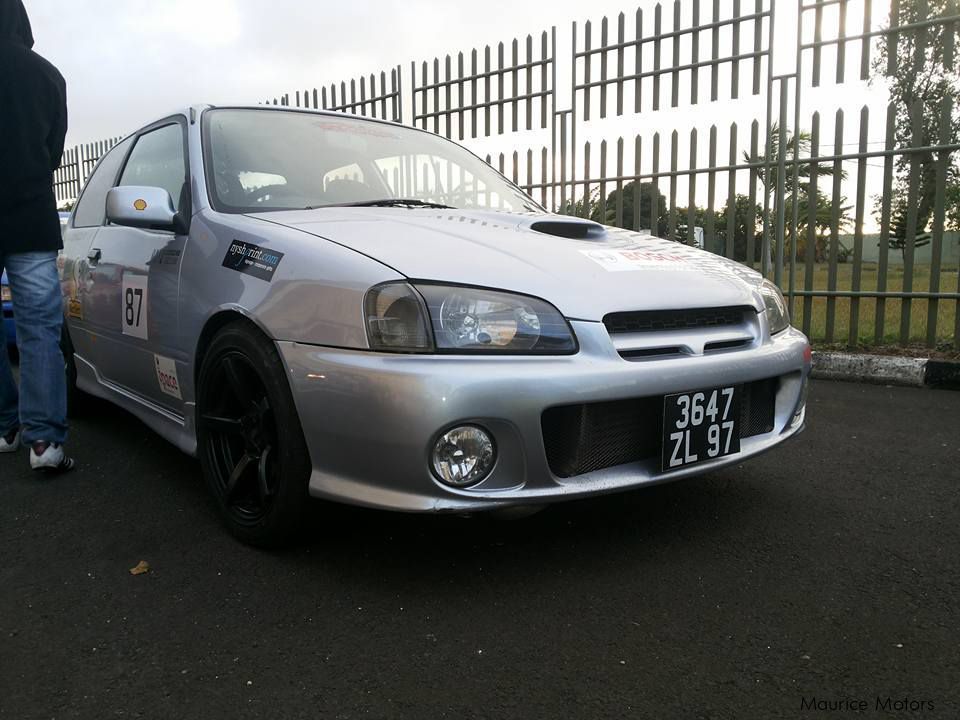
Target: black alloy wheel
{"x": 250, "y": 443}
{"x": 242, "y": 436}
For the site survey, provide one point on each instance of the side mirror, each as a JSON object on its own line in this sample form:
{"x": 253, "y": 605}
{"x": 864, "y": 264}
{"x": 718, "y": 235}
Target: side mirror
{"x": 143, "y": 207}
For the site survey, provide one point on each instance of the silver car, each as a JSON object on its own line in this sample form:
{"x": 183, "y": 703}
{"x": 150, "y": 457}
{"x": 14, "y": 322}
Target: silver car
{"x": 321, "y": 305}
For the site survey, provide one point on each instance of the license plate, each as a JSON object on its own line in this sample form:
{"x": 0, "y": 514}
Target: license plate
{"x": 700, "y": 425}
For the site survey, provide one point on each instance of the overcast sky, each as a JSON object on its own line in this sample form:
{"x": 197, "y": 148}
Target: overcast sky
{"x": 128, "y": 63}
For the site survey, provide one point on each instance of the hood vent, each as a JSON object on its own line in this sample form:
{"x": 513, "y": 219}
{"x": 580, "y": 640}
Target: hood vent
{"x": 573, "y": 229}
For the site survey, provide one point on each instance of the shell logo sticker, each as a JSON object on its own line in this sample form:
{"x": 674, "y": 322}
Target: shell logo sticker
{"x": 140, "y": 205}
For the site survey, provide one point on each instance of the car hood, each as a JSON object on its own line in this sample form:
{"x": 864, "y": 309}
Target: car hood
{"x": 585, "y": 269}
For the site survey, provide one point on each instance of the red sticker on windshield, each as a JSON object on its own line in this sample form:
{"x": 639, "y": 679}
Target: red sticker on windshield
{"x": 369, "y": 129}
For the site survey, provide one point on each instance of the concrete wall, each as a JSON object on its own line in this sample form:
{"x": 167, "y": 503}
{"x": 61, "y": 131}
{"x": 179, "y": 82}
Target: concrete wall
{"x": 950, "y": 256}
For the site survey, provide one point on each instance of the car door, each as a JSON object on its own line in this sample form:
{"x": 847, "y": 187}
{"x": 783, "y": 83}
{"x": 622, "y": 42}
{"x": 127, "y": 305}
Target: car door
{"x": 88, "y": 217}
{"x": 133, "y": 287}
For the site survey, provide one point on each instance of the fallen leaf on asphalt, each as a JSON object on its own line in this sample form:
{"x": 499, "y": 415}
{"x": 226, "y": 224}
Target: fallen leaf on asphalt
{"x": 142, "y": 567}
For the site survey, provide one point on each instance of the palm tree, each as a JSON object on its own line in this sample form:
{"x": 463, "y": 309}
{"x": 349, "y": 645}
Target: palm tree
{"x": 822, "y": 223}
{"x": 769, "y": 176}
{"x": 823, "y": 169}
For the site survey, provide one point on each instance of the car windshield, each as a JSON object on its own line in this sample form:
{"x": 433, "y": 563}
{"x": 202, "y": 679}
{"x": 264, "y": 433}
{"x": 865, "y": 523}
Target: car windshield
{"x": 260, "y": 160}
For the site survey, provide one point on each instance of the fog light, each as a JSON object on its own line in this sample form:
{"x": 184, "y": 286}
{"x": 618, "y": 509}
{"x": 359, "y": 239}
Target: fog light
{"x": 463, "y": 456}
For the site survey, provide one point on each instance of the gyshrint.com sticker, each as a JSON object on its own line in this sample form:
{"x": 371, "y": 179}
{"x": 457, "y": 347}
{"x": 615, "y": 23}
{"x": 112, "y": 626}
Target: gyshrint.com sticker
{"x": 252, "y": 259}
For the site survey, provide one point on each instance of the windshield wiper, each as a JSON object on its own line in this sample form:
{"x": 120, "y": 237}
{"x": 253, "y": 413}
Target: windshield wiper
{"x": 390, "y": 202}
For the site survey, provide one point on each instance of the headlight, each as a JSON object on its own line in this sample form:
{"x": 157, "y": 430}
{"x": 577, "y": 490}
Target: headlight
{"x": 463, "y": 320}
{"x": 778, "y": 318}
{"x": 472, "y": 320}
{"x": 396, "y": 319}
{"x": 5, "y": 294}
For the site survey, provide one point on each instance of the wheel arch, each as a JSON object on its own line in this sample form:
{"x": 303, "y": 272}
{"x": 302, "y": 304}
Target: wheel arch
{"x": 215, "y": 323}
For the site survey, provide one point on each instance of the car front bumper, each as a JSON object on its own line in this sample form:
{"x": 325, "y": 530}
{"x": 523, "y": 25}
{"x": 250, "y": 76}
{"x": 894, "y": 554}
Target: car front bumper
{"x": 371, "y": 419}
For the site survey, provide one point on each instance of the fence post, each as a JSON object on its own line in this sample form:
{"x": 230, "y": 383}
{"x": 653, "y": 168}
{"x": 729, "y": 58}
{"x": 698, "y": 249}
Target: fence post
{"x": 768, "y": 143}
{"x": 885, "y": 211}
{"x": 781, "y": 184}
{"x": 811, "y": 223}
{"x": 732, "y": 195}
{"x": 834, "y": 226}
{"x": 917, "y": 140}
{"x": 854, "y": 333}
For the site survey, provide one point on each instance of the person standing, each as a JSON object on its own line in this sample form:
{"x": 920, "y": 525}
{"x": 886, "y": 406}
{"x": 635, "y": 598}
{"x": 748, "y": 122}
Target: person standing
{"x": 33, "y": 125}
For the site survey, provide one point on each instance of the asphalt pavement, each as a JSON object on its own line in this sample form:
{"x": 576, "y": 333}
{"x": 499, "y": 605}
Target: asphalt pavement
{"x": 825, "y": 571}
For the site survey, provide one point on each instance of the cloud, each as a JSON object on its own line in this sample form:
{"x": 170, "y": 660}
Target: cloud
{"x": 126, "y": 63}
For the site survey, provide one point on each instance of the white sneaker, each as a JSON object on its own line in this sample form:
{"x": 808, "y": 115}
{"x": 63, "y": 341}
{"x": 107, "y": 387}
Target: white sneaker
{"x": 10, "y": 446}
{"x": 50, "y": 458}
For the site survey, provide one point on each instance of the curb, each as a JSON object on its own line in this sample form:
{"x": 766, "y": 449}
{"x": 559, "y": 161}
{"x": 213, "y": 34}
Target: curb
{"x": 886, "y": 370}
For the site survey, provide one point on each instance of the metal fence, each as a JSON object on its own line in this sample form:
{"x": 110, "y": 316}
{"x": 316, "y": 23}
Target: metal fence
{"x": 77, "y": 164}
{"x": 770, "y": 190}
{"x": 370, "y": 99}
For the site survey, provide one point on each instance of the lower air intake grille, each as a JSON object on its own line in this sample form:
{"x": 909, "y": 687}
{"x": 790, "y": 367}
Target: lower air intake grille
{"x": 583, "y": 438}
{"x": 757, "y": 407}
{"x": 652, "y": 320}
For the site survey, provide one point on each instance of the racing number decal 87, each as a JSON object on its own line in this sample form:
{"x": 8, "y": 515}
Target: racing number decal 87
{"x": 134, "y": 302}
{"x": 133, "y": 298}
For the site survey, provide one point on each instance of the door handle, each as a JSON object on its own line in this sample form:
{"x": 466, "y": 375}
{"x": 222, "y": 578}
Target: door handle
{"x": 94, "y": 256}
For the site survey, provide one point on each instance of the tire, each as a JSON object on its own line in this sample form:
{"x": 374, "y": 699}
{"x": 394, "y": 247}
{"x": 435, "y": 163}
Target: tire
{"x": 76, "y": 398}
{"x": 255, "y": 460}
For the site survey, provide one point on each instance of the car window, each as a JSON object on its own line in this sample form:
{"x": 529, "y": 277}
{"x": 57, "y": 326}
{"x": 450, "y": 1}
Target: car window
{"x": 92, "y": 207}
{"x": 333, "y": 160}
{"x": 157, "y": 160}
{"x": 438, "y": 179}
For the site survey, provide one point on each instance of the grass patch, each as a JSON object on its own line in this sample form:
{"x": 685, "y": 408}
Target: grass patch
{"x": 919, "y": 310}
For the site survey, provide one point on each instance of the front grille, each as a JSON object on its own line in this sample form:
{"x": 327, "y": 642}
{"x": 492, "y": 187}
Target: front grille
{"x": 725, "y": 345}
{"x": 592, "y": 436}
{"x": 652, "y": 320}
{"x": 643, "y": 353}
{"x": 757, "y": 407}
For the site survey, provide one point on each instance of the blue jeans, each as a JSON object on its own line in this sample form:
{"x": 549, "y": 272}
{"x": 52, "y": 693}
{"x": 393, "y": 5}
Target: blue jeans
{"x": 40, "y": 407}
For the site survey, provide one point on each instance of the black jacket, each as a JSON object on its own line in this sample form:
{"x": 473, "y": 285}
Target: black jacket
{"x": 33, "y": 123}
